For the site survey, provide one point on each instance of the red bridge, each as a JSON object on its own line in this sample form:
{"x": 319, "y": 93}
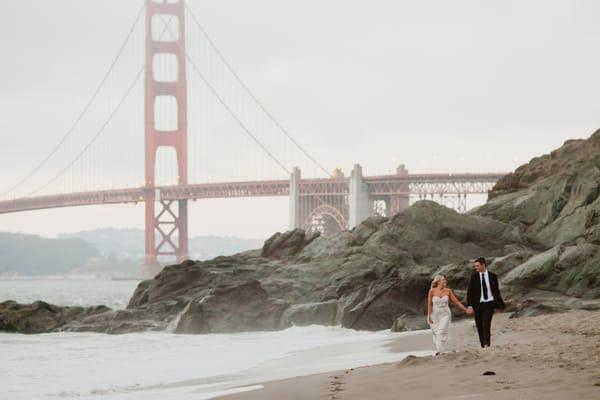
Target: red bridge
{"x": 329, "y": 204}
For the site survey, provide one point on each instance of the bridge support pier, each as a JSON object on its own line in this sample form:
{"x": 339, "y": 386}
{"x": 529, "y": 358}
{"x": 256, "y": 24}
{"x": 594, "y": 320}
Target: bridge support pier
{"x": 150, "y": 267}
{"x": 359, "y": 202}
{"x": 169, "y": 226}
{"x": 295, "y": 215}
{"x": 399, "y": 202}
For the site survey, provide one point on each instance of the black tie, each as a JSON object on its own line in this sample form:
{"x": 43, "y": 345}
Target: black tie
{"x": 484, "y": 287}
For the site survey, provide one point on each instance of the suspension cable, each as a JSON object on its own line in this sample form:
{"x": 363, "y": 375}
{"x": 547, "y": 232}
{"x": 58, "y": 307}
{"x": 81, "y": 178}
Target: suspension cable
{"x": 83, "y": 112}
{"x": 251, "y": 94}
{"x": 95, "y": 137}
{"x": 236, "y": 118}
{"x": 224, "y": 104}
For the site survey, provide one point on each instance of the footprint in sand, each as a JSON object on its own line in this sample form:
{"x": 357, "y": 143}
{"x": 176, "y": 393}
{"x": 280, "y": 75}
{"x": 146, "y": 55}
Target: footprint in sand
{"x": 336, "y": 385}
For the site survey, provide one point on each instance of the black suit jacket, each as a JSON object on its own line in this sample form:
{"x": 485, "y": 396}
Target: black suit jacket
{"x": 474, "y": 290}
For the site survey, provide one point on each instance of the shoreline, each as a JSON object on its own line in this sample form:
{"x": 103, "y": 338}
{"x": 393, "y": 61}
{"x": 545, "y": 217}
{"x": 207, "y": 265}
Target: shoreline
{"x": 555, "y": 356}
{"x": 186, "y": 366}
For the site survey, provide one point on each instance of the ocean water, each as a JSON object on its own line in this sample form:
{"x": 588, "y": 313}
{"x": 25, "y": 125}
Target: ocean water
{"x": 69, "y": 292}
{"x": 164, "y": 365}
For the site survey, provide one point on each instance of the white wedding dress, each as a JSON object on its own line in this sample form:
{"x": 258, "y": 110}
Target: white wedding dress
{"x": 441, "y": 318}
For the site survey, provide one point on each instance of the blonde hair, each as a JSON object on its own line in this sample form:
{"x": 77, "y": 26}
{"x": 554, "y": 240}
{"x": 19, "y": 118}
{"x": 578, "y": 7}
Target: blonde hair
{"x": 436, "y": 279}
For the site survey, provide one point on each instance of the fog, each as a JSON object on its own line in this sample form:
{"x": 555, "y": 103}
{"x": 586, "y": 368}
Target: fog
{"x": 461, "y": 86}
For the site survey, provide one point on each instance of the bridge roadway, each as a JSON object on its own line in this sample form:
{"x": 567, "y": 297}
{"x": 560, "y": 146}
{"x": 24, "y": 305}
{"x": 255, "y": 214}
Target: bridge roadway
{"x": 418, "y": 184}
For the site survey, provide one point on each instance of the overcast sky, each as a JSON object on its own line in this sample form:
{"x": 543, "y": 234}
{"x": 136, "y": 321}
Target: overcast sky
{"x": 446, "y": 86}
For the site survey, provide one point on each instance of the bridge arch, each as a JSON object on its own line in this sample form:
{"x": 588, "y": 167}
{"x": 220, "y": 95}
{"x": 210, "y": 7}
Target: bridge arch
{"x": 326, "y": 219}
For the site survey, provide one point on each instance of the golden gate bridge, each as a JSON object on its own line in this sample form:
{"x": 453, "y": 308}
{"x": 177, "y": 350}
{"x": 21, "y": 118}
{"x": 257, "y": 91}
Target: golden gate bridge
{"x": 195, "y": 108}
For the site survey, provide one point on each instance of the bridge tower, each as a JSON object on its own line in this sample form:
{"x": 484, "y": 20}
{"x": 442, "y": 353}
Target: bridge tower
{"x": 166, "y": 222}
{"x": 311, "y": 208}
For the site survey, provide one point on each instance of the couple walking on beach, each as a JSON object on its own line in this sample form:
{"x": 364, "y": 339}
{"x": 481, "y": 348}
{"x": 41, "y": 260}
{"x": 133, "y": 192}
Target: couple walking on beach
{"x": 483, "y": 298}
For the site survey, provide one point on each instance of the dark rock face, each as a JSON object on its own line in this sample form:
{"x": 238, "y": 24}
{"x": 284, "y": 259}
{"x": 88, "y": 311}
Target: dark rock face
{"x": 284, "y": 245}
{"x": 557, "y": 197}
{"x": 360, "y": 279}
{"x": 232, "y": 308}
{"x": 540, "y": 230}
{"x": 574, "y": 155}
{"x": 39, "y": 316}
{"x": 553, "y": 204}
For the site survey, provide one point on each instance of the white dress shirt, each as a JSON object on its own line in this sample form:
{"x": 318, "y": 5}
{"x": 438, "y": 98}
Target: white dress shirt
{"x": 490, "y": 296}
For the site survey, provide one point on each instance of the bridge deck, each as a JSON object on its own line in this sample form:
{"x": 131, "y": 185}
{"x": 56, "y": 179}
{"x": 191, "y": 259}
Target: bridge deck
{"x": 378, "y": 185}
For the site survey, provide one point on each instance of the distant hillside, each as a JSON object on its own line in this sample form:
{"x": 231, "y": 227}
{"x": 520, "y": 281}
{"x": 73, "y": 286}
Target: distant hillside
{"x": 129, "y": 243}
{"x": 208, "y": 247}
{"x": 34, "y": 255}
{"x": 111, "y": 242}
{"x": 101, "y": 252}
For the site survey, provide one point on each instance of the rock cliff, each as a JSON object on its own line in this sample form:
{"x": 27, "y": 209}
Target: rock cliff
{"x": 540, "y": 228}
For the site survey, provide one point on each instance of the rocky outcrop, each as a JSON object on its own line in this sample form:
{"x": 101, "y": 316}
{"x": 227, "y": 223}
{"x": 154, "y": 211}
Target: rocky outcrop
{"x": 553, "y": 200}
{"x": 574, "y": 156}
{"x": 232, "y": 308}
{"x": 284, "y": 245}
{"x": 552, "y": 204}
{"x": 540, "y": 230}
{"x": 361, "y": 279}
{"x": 39, "y": 316}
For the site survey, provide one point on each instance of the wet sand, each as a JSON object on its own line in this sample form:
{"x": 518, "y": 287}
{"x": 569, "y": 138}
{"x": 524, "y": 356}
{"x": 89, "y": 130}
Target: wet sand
{"x": 547, "y": 357}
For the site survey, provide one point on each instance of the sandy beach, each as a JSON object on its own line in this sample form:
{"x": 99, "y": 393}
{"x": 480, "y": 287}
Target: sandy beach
{"x": 554, "y": 356}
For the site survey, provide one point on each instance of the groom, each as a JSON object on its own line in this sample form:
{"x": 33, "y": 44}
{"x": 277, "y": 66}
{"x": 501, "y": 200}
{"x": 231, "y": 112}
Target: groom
{"x": 483, "y": 297}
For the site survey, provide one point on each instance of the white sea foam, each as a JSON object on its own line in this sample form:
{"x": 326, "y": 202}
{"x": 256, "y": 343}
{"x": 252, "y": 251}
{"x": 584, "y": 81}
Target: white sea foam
{"x": 165, "y": 365}
{"x": 173, "y": 324}
{"x": 169, "y": 366}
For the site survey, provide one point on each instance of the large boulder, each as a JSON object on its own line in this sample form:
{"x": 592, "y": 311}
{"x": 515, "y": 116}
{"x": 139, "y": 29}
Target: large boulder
{"x": 554, "y": 199}
{"x": 232, "y": 308}
{"x": 568, "y": 270}
{"x": 283, "y": 245}
{"x": 430, "y": 234}
{"x": 376, "y": 305}
{"x": 574, "y": 155}
{"x": 40, "y": 316}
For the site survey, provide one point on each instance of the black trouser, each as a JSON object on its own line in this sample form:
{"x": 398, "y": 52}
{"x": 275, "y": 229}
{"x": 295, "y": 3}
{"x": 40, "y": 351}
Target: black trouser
{"x": 483, "y": 319}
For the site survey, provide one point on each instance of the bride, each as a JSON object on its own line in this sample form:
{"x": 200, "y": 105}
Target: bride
{"x": 438, "y": 312}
